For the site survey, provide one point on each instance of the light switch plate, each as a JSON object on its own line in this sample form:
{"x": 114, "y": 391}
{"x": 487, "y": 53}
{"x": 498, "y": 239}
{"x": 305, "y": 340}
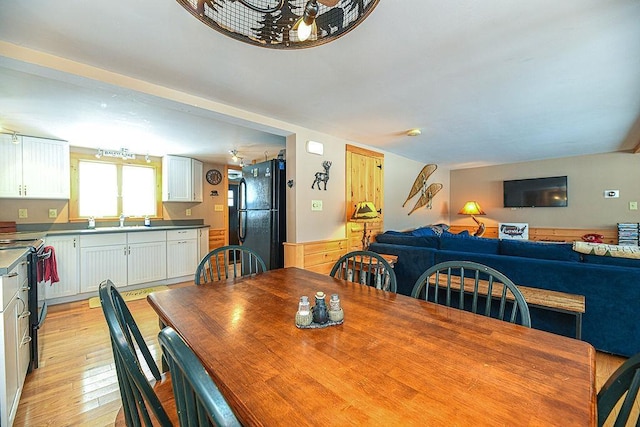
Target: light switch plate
{"x": 633, "y": 206}
{"x": 188, "y": 212}
{"x": 316, "y": 205}
{"x": 218, "y": 208}
{"x": 53, "y": 213}
{"x": 22, "y": 213}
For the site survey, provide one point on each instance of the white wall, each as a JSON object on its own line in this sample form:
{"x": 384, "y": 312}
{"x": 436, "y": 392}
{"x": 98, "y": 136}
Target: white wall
{"x": 399, "y": 176}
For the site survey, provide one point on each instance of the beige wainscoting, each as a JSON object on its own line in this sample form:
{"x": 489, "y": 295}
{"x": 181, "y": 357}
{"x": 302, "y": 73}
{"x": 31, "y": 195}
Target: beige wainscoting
{"x": 317, "y": 256}
{"x": 550, "y": 234}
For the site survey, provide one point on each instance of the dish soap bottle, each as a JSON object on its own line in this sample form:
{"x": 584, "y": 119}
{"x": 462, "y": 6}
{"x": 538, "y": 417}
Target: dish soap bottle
{"x": 147, "y": 221}
{"x": 92, "y": 223}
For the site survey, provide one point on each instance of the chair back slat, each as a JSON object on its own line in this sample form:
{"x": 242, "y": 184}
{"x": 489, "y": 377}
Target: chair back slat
{"x": 226, "y": 262}
{"x": 198, "y": 399}
{"x": 367, "y": 268}
{"x": 477, "y": 288}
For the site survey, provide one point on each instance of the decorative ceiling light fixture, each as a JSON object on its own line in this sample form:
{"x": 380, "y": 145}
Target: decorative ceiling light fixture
{"x": 281, "y": 24}
{"x": 14, "y": 138}
{"x": 123, "y": 153}
{"x": 234, "y": 154}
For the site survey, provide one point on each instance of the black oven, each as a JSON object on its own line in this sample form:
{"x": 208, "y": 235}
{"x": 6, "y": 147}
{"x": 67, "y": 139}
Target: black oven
{"x": 37, "y": 306}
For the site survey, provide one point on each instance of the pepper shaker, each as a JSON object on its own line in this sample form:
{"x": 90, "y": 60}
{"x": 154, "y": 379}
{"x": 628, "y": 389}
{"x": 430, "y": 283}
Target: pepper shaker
{"x": 336, "y": 313}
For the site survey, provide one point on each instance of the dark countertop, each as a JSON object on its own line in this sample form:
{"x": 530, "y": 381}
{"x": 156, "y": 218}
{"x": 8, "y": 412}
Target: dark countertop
{"x": 9, "y": 258}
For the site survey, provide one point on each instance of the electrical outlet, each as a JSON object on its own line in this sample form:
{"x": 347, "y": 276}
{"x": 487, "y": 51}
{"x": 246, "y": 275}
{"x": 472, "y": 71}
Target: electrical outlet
{"x": 633, "y": 206}
{"x": 188, "y": 212}
{"x": 22, "y": 213}
{"x": 53, "y": 213}
{"x": 316, "y": 205}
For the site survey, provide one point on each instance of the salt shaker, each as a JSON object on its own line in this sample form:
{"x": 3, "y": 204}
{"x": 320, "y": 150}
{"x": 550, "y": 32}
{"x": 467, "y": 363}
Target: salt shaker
{"x": 304, "y": 317}
{"x": 336, "y": 313}
{"x": 320, "y": 314}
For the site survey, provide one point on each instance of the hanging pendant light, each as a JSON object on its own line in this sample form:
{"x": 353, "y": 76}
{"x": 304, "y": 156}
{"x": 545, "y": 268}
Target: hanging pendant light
{"x": 305, "y": 28}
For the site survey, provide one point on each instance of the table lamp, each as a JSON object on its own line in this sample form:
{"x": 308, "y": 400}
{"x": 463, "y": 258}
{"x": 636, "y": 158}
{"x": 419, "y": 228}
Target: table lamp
{"x": 364, "y": 212}
{"x": 473, "y": 208}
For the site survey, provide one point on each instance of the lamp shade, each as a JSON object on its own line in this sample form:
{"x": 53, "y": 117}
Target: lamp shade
{"x": 471, "y": 208}
{"x": 364, "y": 211}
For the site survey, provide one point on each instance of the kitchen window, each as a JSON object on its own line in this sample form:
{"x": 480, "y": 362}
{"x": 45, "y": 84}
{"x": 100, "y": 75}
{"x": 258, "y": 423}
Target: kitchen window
{"x": 106, "y": 188}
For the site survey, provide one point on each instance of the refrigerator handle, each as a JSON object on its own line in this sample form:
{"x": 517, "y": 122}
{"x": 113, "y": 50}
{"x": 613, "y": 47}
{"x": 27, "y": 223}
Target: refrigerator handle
{"x": 242, "y": 225}
{"x": 242, "y": 194}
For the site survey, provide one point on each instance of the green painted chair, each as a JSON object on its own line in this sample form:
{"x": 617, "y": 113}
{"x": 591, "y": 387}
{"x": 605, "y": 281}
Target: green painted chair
{"x": 625, "y": 381}
{"x": 367, "y": 268}
{"x": 141, "y": 404}
{"x": 198, "y": 399}
{"x": 228, "y": 262}
{"x": 442, "y": 284}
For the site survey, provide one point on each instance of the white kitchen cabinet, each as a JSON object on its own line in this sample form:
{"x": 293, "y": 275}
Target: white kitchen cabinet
{"x": 13, "y": 367}
{"x": 182, "y": 252}
{"x": 146, "y": 256}
{"x": 196, "y": 179}
{"x": 67, "y": 250}
{"x": 203, "y": 243}
{"x": 35, "y": 168}
{"x": 103, "y": 256}
{"x": 181, "y": 179}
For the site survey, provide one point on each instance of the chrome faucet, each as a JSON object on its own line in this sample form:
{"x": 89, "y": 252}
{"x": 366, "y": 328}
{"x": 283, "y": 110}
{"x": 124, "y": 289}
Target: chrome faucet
{"x": 121, "y": 220}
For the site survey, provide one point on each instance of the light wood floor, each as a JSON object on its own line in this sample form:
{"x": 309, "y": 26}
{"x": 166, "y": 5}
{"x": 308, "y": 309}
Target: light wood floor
{"x": 76, "y": 383}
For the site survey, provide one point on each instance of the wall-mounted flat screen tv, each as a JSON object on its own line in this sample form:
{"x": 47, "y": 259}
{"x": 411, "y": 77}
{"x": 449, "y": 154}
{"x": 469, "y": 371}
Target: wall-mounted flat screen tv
{"x": 535, "y": 192}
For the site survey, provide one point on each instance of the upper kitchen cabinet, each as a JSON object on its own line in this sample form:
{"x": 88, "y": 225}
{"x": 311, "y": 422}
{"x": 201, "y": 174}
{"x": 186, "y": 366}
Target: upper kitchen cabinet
{"x": 181, "y": 179}
{"x": 34, "y": 168}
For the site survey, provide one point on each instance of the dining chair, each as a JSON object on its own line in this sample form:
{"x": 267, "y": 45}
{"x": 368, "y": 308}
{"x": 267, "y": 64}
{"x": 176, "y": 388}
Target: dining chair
{"x": 625, "y": 381}
{"x": 143, "y": 402}
{"x": 198, "y": 399}
{"x": 229, "y": 261}
{"x": 468, "y": 284}
{"x": 367, "y": 268}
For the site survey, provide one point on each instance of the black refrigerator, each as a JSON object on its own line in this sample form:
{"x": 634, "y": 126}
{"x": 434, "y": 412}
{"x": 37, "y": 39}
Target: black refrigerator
{"x": 262, "y": 209}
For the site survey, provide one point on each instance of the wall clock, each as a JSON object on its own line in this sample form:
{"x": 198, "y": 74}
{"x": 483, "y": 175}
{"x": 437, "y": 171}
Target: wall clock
{"x": 214, "y": 176}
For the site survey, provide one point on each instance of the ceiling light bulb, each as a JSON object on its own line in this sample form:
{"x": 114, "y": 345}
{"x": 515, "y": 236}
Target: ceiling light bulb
{"x": 304, "y": 31}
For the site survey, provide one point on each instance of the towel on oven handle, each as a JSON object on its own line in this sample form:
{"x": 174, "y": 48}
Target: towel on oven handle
{"x": 48, "y": 268}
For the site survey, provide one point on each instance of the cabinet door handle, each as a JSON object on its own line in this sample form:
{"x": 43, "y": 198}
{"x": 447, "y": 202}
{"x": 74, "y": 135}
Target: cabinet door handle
{"x": 11, "y": 275}
{"x": 25, "y": 190}
{"x": 25, "y": 340}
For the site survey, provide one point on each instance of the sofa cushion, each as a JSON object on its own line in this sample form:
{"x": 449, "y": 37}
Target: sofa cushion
{"x": 539, "y": 250}
{"x": 403, "y": 239}
{"x": 466, "y": 243}
{"x": 609, "y": 260}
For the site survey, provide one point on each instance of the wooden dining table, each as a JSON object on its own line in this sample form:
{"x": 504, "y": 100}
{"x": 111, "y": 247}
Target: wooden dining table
{"x": 394, "y": 361}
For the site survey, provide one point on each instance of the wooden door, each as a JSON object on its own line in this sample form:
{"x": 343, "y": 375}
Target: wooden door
{"x": 365, "y": 182}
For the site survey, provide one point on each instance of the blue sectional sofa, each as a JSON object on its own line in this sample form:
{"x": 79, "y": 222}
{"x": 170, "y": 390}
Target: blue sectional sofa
{"x": 611, "y": 286}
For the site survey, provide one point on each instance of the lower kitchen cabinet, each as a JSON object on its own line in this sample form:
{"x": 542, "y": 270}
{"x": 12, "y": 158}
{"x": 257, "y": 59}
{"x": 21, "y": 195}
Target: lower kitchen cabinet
{"x": 182, "y": 252}
{"x": 14, "y": 346}
{"x": 67, "y": 250}
{"x": 146, "y": 257}
{"x": 102, "y": 257}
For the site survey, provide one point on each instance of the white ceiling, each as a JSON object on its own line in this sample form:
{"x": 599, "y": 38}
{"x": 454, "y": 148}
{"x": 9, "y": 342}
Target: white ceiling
{"x": 490, "y": 82}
